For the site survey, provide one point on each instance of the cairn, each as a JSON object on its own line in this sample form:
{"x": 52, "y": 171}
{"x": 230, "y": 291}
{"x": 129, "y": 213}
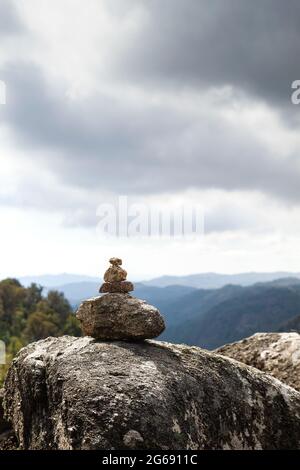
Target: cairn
{"x": 115, "y": 279}
{"x": 117, "y": 315}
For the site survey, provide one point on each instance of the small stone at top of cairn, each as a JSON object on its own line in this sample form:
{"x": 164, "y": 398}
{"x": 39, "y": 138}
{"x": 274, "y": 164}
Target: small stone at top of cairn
{"x": 115, "y": 279}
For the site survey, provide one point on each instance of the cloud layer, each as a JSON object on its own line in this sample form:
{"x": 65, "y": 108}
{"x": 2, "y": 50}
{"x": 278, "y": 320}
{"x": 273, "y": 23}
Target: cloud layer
{"x": 172, "y": 96}
{"x": 10, "y": 23}
{"x": 249, "y": 45}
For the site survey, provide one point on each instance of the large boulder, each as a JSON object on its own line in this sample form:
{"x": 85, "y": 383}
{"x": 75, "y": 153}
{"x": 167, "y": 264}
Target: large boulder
{"x": 7, "y": 437}
{"x": 4, "y": 426}
{"x": 79, "y": 393}
{"x": 8, "y": 441}
{"x": 116, "y": 316}
{"x": 277, "y": 354}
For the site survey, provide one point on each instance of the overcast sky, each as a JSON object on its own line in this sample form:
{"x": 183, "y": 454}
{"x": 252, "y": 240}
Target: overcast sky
{"x": 173, "y": 101}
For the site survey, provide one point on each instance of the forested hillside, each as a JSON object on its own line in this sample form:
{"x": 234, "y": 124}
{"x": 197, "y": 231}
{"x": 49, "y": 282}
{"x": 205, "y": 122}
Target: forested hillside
{"x": 26, "y": 316}
{"x": 225, "y": 315}
{"x": 291, "y": 325}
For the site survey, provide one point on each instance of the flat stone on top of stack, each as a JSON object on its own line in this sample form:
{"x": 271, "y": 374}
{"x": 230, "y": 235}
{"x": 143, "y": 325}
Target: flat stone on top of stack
{"x": 117, "y": 315}
{"x": 116, "y": 287}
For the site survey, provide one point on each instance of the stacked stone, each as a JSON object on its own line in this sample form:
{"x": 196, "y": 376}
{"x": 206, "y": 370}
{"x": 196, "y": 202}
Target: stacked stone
{"x": 115, "y": 279}
{"x": 116, "y": 315}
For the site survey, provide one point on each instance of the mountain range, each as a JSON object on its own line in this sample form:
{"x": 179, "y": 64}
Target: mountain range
{"x": 209, "y": 317}
{"x": 54, "y": 280}
{"x": 215, "y": 280}
{"x": 233, "y": 313}
{"x": 160, "y": 296}
{"x": 198, "y": 281}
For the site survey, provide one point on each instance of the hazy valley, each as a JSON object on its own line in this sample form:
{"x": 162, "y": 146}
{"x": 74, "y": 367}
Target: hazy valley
{"x": 210, "y": 317}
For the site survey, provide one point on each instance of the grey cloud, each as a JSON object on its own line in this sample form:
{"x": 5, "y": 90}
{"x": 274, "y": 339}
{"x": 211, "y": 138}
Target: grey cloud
{"x": 76, "y": 208}
{"x": 103, "y": 144}
{"x": 10, "y": 22}
{"x": 252, "y": 45}
{"x": 233, "y": 217}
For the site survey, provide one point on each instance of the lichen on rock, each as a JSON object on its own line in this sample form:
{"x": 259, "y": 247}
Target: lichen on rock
{"x": 7, "y": 437}
{"x": 277, "y": 354}
{"x": 80, "y": 393}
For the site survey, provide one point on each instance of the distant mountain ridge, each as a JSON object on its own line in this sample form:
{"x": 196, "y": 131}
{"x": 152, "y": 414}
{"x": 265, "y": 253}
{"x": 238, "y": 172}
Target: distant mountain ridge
{"x": 210, "y": 317}
{"x": 242, "y": 312}
{"x": 53, "y": 280}
{"x": 198, "y": 281}
{"x": 291, "y": 325}
{"x": 216, "y": 281}
{"x": 161, "y": 297}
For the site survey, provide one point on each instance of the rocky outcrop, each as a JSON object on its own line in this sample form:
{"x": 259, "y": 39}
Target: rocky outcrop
{"x": 3, "y": 423}
{"x": 79, "y": 393}
{"x": 277, "y": 354}
{"x": 8, "y": 441}
{"x": 7, "y": 437}
{"x": 119, "y": 317}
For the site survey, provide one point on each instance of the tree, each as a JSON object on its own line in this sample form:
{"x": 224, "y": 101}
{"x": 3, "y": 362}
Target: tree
{"x": 32, "y": 297}
{"x": 57, "y": 302}
{"x": 26, "y": 316}
{"x": 39, "y": 326}
{"x": 72, "y": 327}
{"x": 12, "y": 295}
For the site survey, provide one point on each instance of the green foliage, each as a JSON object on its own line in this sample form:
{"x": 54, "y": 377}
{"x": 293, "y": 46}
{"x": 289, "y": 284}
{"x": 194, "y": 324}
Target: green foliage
{"x": 26, "y": 316}
{"x": 71, "y": 326}
{"x": 40, "y": 325}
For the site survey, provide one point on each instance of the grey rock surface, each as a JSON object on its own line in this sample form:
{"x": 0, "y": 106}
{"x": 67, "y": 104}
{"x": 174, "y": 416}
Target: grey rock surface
{"x": 4, "y": 426}
{"x": 7, "y": 437}
{"x": 119, "y": 317}
{"x": 277, "y": 354}
{"x": 8, "y": 441}
{"x": 79, "y": 393}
